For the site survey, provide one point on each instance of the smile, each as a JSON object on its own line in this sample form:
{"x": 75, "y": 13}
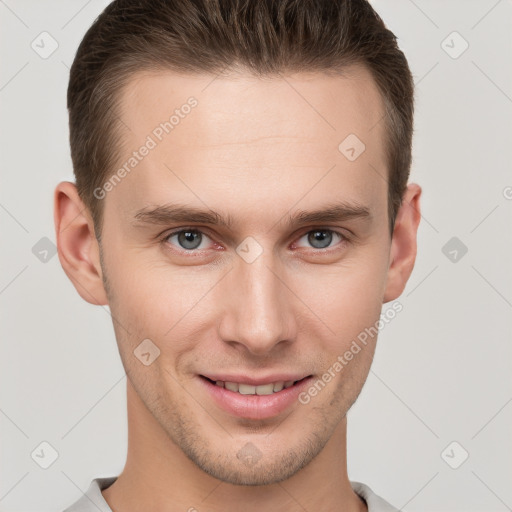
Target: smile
{"x": 251, "y": 401}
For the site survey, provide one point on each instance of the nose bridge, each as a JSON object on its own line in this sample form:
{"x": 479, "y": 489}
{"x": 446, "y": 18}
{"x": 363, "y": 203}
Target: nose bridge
{"x": 259, "y": 309}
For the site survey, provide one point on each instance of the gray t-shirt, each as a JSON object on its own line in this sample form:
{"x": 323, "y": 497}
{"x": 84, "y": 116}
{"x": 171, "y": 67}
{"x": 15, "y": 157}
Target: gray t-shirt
{"x": 93, "y": 501}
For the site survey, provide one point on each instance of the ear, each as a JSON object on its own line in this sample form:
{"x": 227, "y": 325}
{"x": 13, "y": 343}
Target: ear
{"x": 77, "y": 246}
{"x": 403, "y": 244}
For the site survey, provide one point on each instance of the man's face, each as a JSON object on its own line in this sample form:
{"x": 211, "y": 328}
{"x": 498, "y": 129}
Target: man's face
{"x": 261, "y": 296}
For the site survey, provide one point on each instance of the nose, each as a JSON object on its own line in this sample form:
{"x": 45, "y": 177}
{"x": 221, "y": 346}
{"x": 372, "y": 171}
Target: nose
{"x": 258, "y": 312}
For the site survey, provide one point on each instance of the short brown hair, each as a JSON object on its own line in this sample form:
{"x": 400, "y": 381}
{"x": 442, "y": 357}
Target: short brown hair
{"x": 208, "y": 36}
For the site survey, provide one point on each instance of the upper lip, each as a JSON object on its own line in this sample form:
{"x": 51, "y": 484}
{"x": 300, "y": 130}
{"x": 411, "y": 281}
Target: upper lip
{"x": 255, "y": 381}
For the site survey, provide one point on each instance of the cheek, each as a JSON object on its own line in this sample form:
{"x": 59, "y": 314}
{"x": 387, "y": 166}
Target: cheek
{"x": 350, "y": 305}
{"x": 162, "y": 302}
{"x": 346, "y": 298}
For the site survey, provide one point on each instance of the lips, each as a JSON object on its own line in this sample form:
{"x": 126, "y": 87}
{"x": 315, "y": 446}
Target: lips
{"x": 246, "y": 402}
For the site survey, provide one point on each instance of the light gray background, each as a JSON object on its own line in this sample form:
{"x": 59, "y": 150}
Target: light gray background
{"x": 442, "y": 369}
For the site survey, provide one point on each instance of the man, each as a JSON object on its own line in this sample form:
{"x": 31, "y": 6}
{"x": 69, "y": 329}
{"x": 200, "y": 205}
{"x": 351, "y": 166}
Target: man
{"x": 242, "y": 206}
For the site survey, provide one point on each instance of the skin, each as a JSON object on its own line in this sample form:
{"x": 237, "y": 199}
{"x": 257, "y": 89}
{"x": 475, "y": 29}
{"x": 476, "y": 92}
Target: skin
{"x": 256, "y": 150}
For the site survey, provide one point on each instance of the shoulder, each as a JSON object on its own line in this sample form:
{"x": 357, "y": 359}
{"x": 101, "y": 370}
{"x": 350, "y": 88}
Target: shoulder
{"x": 374, "y": 502}
{"x": 92, "y": 500}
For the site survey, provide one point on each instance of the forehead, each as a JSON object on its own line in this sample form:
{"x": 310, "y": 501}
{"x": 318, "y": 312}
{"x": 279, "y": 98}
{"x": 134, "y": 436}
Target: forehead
{"x": 248, "y": 133}
{"x": 332, "y": 105}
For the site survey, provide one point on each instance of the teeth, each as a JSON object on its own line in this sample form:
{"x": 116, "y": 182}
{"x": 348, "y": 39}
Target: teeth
{"x": 247, "y": 389}
{"x": 232, "y": 386}
{"x": 278, "y": 386}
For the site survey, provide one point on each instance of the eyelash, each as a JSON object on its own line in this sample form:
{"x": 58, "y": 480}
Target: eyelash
{"x": 344, "y": 239}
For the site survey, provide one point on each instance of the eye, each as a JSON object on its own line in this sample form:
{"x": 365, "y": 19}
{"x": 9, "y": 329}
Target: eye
{"x": 191, "y": 240}
{"x": 322, "y": 238}
{"x": 187, "y": 239}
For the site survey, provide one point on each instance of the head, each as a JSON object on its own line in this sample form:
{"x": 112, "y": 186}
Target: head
{"x": 241, "y": 201}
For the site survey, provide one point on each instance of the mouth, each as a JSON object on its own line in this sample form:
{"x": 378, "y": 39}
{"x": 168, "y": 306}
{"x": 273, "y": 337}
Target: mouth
{"x": 251, "y": 401}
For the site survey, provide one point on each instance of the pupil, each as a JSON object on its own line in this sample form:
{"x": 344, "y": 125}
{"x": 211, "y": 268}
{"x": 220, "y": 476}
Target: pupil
{"x": 320, "y": 239}
{"x": 189, "y": 239}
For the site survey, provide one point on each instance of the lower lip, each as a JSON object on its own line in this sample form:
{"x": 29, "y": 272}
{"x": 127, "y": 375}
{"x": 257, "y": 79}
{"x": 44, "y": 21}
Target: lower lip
{"x": 254, "y": 407}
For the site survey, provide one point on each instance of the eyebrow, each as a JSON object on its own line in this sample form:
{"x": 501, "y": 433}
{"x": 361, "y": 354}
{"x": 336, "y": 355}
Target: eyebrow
{"x": 172, "y": 213}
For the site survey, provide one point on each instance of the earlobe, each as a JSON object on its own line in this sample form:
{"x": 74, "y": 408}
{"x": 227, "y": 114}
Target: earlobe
{"x": 404, "y": 243}
{"x": 77, "y": 246}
